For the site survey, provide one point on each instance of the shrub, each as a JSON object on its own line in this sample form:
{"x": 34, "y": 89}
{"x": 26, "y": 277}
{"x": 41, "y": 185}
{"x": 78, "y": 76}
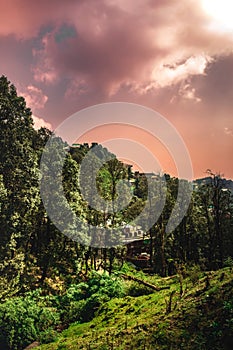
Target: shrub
{"x": 22, "y": 321}
{"x": 35, "y": 317}
{"x": 75, "y": 292}
{"x": 105, "y": 285}
{"x": 82, "y": 300}
{"x": 48, "y": 336}
{"x": 74, "y": 312}
{"x": 92, "y": 305}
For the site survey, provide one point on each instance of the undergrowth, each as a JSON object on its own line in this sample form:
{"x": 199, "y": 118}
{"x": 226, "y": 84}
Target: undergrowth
{"x": 200, "y": 319}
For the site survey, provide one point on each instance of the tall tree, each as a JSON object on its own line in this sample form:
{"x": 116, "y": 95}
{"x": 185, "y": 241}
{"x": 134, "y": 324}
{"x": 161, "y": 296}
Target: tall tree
{"x": 217, "y": 206}
{"x": 18, "y": 166}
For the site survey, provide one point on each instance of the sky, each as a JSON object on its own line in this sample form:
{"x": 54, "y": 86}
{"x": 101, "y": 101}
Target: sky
{"x": 173, "y": 56}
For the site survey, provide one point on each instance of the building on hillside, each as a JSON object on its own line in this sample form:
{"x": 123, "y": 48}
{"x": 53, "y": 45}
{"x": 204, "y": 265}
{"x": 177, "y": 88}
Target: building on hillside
{"x": 136, "y": 240}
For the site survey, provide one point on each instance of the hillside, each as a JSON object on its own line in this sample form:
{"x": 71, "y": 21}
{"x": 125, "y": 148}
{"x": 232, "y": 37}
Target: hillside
{"x": 75, "y": 219}
{"x": 201, "y": 318}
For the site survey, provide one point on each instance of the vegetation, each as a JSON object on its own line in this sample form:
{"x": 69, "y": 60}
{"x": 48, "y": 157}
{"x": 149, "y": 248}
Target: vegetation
{"x": 50, "y": 279}
{"x": 201, "y": 319}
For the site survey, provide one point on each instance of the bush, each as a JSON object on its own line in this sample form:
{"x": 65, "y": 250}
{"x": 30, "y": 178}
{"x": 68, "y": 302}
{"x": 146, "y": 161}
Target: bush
{"x": 105, "y": 285}
{"x": 92, "y": 305}
{"x": 75, "y": 292}
{"x": 74, "y": 312}
{"x": 22, "y": 321}
{"x": 82, "y": 300}
{"x": 35, "y": 317}
{"x": 48, "y": 336}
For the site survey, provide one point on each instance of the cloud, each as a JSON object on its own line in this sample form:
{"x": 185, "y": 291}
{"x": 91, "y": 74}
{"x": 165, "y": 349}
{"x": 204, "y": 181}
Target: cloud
{"x": 40, "y": 123}
{"x": 228, "y": 131}
{"x": 216, "y": 87}
{"x": 45, "y": 75}
{"x": 72, "y": 54}
{"x": 189, "y": 93}
{"x": 104, "y": 59}
{"x": 25, "y": 18}
{"x": 34, "y": 97}
{"x": 186, "y": 92}
{"x": 144, "y": 46}
{"x": 78, "y": 87}
{"x": 174, "y": 73}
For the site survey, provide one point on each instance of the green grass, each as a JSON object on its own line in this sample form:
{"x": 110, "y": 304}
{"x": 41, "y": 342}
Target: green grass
{"x": 201, "y": 319}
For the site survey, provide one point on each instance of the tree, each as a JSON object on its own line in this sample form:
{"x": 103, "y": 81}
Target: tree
{"x": 217, "y": 207}
{"x": 18, "y": 166}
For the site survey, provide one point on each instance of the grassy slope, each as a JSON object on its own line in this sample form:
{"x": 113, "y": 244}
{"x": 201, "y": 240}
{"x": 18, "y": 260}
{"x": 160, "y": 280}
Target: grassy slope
{"x": 201, "y": 319}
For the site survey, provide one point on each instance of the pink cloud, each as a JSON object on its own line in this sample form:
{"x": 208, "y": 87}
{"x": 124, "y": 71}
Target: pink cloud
{"x": 120, "y": 44}
{"x": 34, "y": 97}
{"x": 76, "y": 53}
{"x": 24, "y": 18}
{"x": 186, "y": 92}
{"x": 40, "y": 123}
{"x": 45, "y": 75}
{"x": 173, "y": 74}
{"x": 228, "y": 131}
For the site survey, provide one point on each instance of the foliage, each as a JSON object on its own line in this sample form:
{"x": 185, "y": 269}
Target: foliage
{"x": 22, "y": 321}
{"x": 199, "y": 321}
{"x": 34, "y": 316}
{"x": 34, "y": 253}
{"x": 81, "y": 301}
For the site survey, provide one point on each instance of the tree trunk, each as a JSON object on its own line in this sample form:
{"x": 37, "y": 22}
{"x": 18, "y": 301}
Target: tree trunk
{"x": 146, "y": 284}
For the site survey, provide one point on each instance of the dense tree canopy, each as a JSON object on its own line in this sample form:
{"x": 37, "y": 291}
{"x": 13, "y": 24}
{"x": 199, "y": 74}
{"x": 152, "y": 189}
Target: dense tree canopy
{"x": 32, "y": 248}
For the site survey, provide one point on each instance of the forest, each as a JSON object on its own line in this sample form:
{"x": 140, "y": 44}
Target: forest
{"x": 52, "y": 280}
